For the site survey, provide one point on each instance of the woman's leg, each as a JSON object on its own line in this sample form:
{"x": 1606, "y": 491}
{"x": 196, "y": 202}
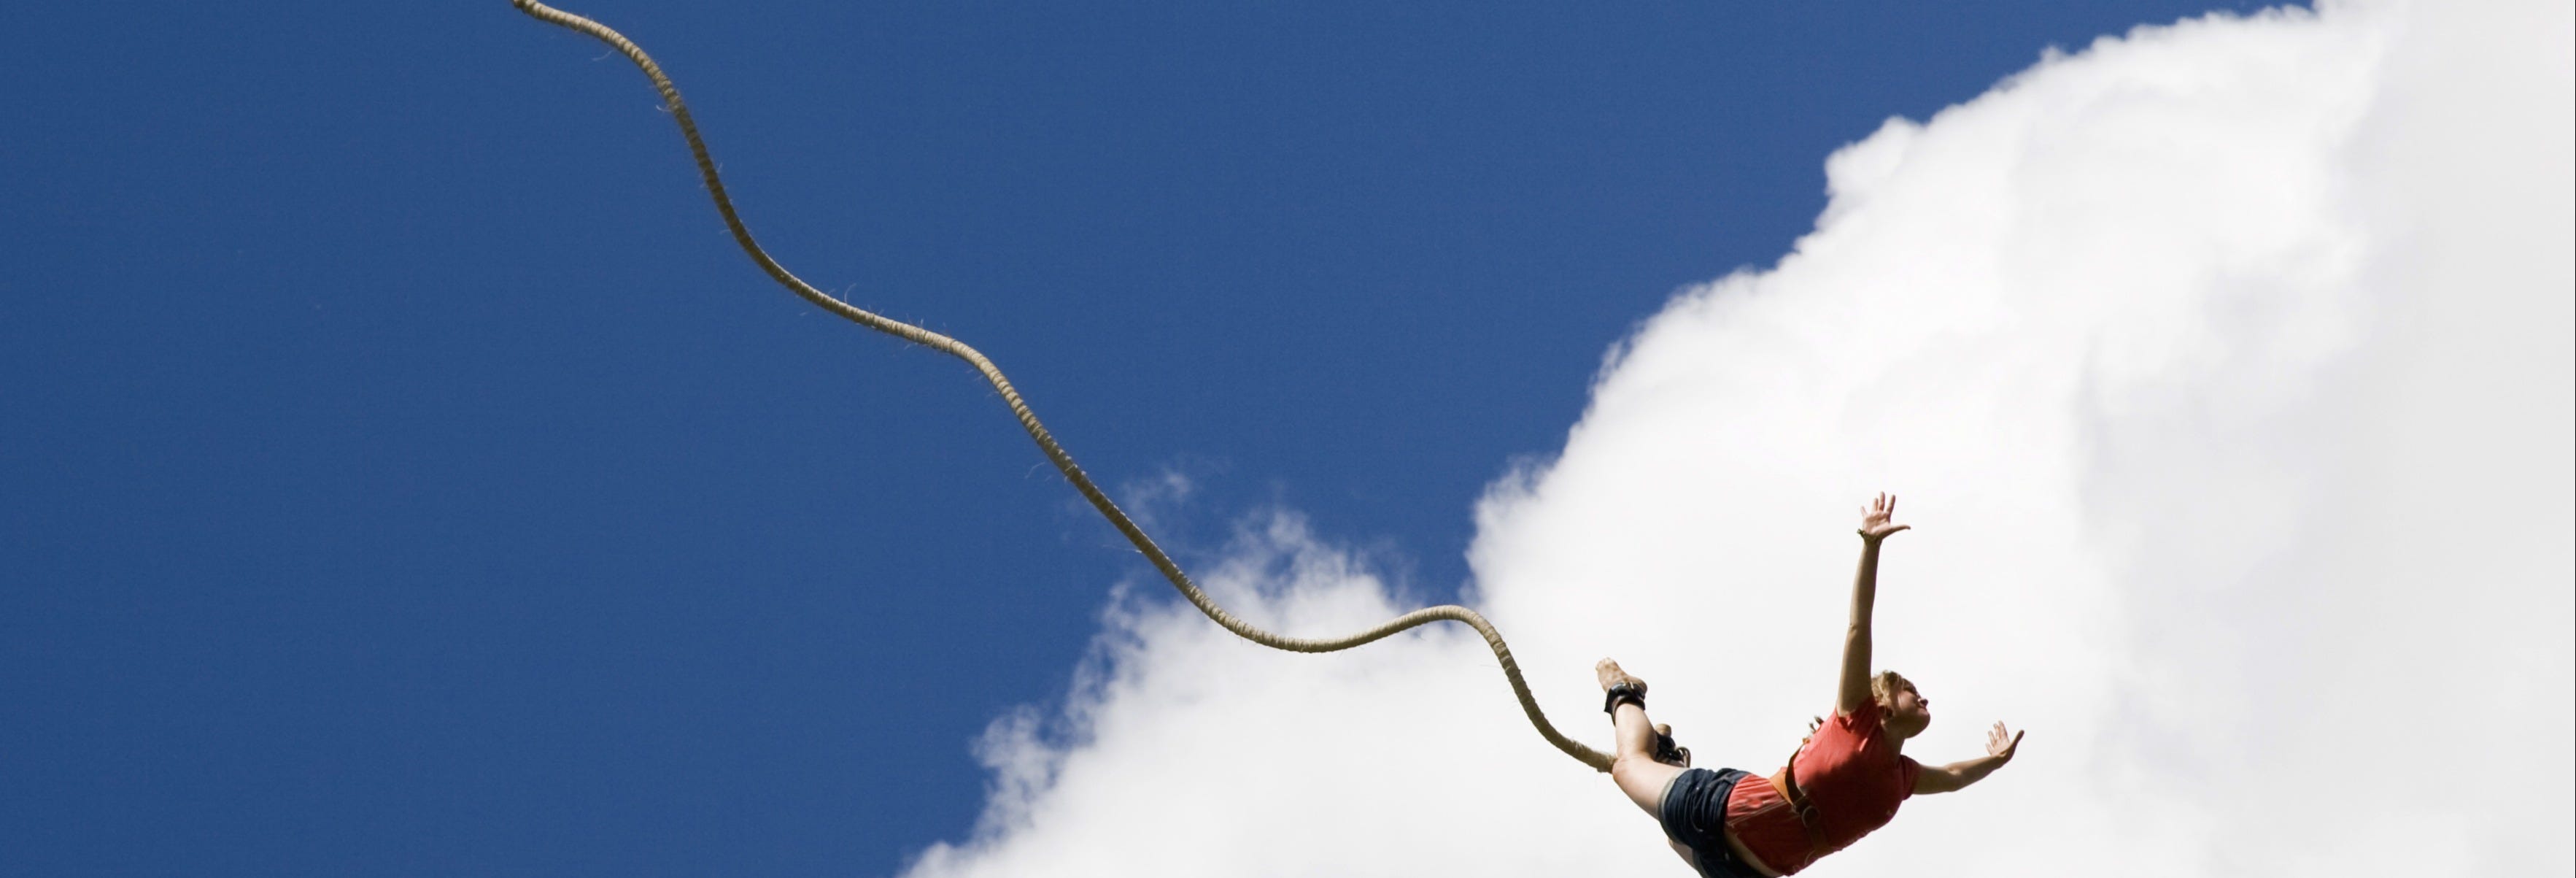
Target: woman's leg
{"x": 1636, "y": 771}
{"x": 1635, "y": 768}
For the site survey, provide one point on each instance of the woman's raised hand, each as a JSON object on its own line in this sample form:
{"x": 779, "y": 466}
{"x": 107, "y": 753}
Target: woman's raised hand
{"x": 1877, "y": 521}
{"x": 2001, "y": 743}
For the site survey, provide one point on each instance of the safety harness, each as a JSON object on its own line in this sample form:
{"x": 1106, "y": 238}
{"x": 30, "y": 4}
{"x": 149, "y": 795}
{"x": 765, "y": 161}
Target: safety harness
{"x": 1809, "y": 818}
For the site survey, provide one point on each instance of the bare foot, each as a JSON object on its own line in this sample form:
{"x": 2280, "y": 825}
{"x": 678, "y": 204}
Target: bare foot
{"x": 1610, "y": 674}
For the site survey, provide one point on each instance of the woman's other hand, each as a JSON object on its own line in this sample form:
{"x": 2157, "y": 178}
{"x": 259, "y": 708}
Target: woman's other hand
{"x": 1878, "y": 521}
{"x": 2001, "y": 742}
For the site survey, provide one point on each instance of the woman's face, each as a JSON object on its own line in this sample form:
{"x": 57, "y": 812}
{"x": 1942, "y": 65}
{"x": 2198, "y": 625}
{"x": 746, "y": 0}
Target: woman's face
{"x": 1908, "y": 713}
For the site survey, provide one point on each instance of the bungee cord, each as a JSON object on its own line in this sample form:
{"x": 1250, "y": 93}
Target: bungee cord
{"x": 1055, "y": 452}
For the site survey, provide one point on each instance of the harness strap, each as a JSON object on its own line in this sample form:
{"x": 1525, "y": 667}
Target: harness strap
{"x": 1808, "y": 817}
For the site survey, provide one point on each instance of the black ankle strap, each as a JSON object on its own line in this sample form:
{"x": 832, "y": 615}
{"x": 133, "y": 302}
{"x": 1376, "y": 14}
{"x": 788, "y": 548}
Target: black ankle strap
{"x": 1631, "y": 693}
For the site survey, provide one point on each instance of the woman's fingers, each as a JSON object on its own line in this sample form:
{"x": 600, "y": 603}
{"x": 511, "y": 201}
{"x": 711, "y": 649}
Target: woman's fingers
{"x": 1997, "y": 742}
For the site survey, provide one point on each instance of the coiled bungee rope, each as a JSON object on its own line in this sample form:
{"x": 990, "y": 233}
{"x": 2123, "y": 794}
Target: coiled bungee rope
{"x": 1029, "y": 420}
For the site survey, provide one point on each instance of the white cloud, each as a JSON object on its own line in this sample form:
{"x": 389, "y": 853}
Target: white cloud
{"x": 2226, "y": 372}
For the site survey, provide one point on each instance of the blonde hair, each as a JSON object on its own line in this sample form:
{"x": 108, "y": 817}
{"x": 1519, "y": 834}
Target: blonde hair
{"x": 1884, "y": 686}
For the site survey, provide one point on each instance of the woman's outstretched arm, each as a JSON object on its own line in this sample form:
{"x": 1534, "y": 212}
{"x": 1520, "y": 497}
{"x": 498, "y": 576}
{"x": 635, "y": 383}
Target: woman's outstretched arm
{"x": 2000, "y": 745}
{"x": 1876, "y": 523}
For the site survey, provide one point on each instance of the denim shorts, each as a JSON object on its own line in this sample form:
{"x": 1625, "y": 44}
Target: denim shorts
{"x": 1694, "y": 814}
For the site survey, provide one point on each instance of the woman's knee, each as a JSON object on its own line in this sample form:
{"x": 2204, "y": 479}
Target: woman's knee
{"x": 1644, "y": 780}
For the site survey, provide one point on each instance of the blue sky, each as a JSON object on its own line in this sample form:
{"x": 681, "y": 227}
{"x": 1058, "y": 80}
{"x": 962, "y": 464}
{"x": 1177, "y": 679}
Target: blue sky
{"x": 404, "y": 474}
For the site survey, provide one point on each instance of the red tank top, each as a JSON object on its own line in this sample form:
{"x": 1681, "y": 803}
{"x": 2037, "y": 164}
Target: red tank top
{"x": 1850, "y": 771}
